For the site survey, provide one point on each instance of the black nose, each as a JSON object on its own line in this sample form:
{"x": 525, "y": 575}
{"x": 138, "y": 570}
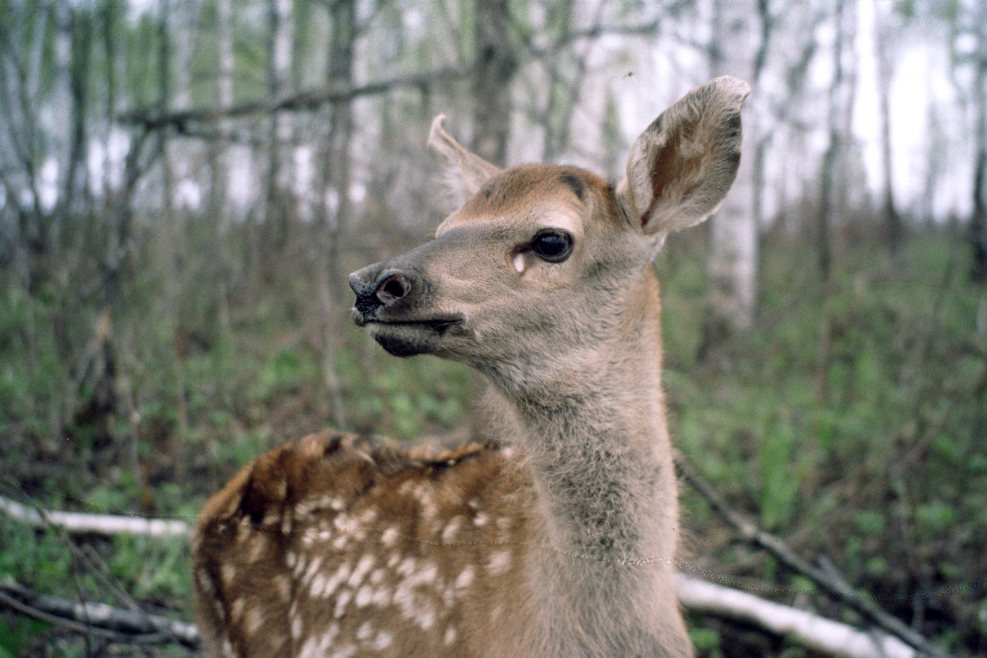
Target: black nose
{"x": 376, "y": 288}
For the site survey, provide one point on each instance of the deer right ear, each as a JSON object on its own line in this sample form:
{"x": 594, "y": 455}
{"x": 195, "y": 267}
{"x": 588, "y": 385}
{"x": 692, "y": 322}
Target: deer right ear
{"x": 464, "y": 172}
{"x": 682, "y": 166}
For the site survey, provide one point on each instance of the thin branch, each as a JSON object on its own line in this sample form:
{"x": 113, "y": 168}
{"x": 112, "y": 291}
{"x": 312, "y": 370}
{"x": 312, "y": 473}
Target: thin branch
{"x": 812, "y": 631}
{"x": 307, "y": 100}
{"x": 98, "y": 618}
{"x": 101, "y": 524}
{"x": 834, "y": 586}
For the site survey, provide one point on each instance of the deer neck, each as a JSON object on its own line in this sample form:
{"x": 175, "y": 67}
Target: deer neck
{"x": 597, "y": 445}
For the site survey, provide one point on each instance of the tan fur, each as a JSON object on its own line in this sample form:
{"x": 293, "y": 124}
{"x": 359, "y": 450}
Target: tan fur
{"x": 555, "y": 540}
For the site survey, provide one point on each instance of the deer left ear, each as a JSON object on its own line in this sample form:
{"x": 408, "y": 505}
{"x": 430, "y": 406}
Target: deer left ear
{"x": 465, "y": 172}
{"x": 681, "y": 168}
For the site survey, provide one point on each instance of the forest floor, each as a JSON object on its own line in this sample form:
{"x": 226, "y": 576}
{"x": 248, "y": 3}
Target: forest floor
{"x": 851, "y": 422}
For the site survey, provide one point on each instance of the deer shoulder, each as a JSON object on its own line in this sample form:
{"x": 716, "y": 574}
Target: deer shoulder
{"x": 307, "y": 545}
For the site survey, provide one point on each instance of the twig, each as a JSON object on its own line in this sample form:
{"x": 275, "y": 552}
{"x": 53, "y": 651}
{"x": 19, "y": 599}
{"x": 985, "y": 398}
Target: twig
{"x": 307, "y": 100}
{"x": 834, "y": 586}
{"x": 98, "y": 618}
{"x": 101, "y": 524}
{"x": 810, "y": 630}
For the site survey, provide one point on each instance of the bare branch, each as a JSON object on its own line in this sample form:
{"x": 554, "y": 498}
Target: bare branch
{"x": 306, "y": 100}
{"x": 836, "y": 587}
{"x": 812, "y": 631}
{"x": 101, "y": 524}
{"x": 98, "y": 618}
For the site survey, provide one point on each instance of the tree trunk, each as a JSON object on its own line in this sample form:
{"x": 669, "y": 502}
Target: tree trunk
{"x": 732, "y": 267}
{"x": 883, "y": 41}
{"x": 81, "y": 23}
{"x": 840, "y": 114}
{"x": 279, "y": 169}
{"x": 219, "y": 179}
{"x": 978, "y": 221}
{"x": 332, "y": 288}
{"x": 495, "y": 66}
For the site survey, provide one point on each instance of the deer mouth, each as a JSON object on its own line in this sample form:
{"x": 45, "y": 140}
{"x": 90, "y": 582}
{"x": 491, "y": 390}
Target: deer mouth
{"x": 407, "y": 337}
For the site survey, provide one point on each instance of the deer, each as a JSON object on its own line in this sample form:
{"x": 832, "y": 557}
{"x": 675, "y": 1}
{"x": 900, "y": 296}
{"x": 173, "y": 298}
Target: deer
{"x": 554, "y": 533}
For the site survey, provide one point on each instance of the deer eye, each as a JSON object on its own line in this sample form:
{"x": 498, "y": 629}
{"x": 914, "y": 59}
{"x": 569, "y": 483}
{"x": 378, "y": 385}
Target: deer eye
{"x": 552, "y": 246}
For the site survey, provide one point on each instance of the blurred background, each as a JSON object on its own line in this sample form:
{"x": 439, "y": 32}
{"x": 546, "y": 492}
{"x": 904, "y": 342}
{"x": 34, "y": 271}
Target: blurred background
{"x": 184, "y": 186}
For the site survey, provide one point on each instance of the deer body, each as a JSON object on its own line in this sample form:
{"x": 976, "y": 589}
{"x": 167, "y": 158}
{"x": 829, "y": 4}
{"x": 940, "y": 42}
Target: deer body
{"x": 558, "y": 538}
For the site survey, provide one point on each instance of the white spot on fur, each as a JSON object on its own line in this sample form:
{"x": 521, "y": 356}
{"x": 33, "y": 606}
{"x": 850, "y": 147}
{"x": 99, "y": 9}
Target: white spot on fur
{"x": 500, "y": 561}
{"x": 365, "y": 631}
{"x": 449, "y": 533}
{"x": 363, "y": 596}
{"x": 228, "y": 649}
{"x": 253, "y": 621}
{"x": 450, "y": 636}
{"x": 342, "y": 573}
{"x": 428, "y": 574}
{"x": 257, "y": 546}
{"x": 425, "y": 616}
{"x": 465, "y": 578}
{"x": 228, "y": 572}
{"x": 296, "y": 628}
{"x": 393, "y": 560}
{"x": 481, "y": 519}
{"x": 389, "y": 537}
{"x": 237, "y": 608}
{"x": 313, "y": 567}
{"x": 306, "y": 507}
{"x": 382, "y": 597}
{"x": 377, "y": 576}
{"x": 362, "y": 567}
{"x": 407, "y": 567}
{"x": 382, "y": 641}
{"x": 316, "y": 647}
{"x": 342, "y": 601}
{"x": 284, "y": 587}
{"x": 318, "y": 585}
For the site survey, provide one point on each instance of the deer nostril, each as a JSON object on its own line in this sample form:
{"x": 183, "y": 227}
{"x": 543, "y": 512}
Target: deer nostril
{"x": 393, "y": 288}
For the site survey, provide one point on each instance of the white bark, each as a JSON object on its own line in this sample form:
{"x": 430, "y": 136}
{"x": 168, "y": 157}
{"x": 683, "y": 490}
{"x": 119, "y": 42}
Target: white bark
{"x": 100, "y": 524}
{"x": 279, "y": 71}
{"x": 220, "y": 163}
{"x": 812, "y": 631}
{"x": 733, "y": 229}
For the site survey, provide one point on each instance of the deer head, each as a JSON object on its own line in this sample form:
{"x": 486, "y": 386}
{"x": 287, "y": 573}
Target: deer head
{"x": 536, "y": 267}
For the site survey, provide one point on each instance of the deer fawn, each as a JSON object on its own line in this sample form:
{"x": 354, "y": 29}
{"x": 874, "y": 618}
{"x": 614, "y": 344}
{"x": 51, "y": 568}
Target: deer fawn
{"x": 555, "y": 540}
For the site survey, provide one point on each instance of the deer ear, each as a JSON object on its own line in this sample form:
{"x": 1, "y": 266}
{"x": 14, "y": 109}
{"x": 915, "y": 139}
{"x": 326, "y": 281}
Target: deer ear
{"x": 464, "y": 172}
{"x": 681, "y": 167}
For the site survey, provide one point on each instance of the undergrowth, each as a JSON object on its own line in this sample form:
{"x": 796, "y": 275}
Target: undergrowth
{"x": 851, "y": 420}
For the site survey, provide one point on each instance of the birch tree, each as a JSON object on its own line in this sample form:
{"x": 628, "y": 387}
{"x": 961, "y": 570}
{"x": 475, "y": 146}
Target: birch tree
{"x": 732, "y": 268}
{"x": 279, "y": 162}
{"x": 495, "y": 67}
{"x": 978, "y": 220}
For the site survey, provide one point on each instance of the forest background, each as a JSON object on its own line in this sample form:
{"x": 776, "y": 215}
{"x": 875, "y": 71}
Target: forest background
{"x": 184, "y": 186}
